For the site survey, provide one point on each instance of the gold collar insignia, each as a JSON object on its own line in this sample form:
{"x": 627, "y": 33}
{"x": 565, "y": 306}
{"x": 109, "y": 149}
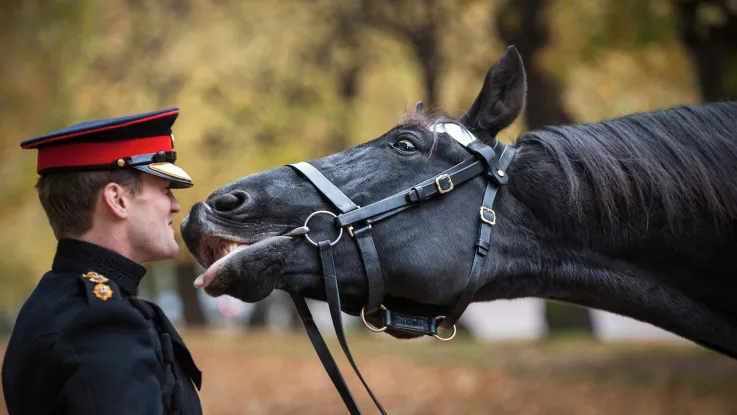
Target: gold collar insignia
{"x": 94, "y": 277}
{"x": 102, "y": 291}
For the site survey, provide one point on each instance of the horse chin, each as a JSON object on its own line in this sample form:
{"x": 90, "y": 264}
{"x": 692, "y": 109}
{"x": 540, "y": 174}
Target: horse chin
{"x": 251, "y": 273}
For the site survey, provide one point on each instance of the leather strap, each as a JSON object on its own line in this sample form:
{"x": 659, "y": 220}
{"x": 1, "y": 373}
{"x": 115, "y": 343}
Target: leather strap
{"x": 375, "y": 282}
{"x": 482, "y": 248}
{"x": 328, "y": 189}
{"x": 487, "y": 219}
{"x": 372, "y": 265}
{"x": 367, "y": 248}
{"x": 410, "y": 324}
{"x": 323, "y": 352}
{"x": 491, "y": 159}
{"x": 487, "y": 161}
{"x": 333, "y": 296}
{"x": 421, "y": 192}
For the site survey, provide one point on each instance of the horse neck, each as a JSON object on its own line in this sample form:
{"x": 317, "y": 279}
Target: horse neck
{"x": 629, "y": 266}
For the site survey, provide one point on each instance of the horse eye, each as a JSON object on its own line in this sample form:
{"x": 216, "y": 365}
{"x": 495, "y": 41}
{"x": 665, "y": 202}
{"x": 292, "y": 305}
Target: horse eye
{"x": 405, "y": 145}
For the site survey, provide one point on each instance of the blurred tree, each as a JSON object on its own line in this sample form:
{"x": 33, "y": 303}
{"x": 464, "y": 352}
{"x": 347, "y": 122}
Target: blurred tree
{"x": 40, "y": 67}
{"x": 422, "y": 24}
{"x": 341, "y": 51}
{"x": 524, "y": 23}
{"x": 185, "y": 273}
{"x": 708, "y": 29}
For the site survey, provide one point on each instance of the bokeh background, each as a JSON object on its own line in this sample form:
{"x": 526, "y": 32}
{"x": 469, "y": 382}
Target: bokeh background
{"x": 265, "y": 83}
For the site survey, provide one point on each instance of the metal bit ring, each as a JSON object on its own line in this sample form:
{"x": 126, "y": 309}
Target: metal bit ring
{"x": 324, "y": 212}
{"x": 445, "y": 339}
{"x": 369, "y": 326}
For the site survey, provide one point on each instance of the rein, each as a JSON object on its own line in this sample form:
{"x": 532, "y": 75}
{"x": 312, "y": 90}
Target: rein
{"x": 489, "y": 162}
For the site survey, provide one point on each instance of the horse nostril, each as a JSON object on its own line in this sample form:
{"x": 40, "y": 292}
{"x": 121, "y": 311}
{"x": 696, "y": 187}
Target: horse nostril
{"x": 229, "y": 201}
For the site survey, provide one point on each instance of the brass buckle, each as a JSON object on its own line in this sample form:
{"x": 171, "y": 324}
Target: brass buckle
{"x": 350, "y": 230}
{"x": 440, "y": 187}
{"x": 350, "y": 227}
{"x": 369, "y": 326}
{"x": 445, "y": 339}
{"x": 483, "y": 218}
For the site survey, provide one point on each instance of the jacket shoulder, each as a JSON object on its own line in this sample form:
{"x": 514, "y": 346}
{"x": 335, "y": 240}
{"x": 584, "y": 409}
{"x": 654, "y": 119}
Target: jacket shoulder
{"x": 98, "y": 288}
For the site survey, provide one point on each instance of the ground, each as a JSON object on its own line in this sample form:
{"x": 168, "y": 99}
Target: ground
{"x": 267, "y": 373}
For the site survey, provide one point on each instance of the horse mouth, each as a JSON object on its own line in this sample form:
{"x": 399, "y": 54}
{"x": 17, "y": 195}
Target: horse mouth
{"x": 216, "y": 247}
{"x": 245, "y": 268}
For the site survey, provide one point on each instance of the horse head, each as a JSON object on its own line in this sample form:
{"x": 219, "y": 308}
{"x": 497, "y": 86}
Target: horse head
{"x": 241, "y": 233}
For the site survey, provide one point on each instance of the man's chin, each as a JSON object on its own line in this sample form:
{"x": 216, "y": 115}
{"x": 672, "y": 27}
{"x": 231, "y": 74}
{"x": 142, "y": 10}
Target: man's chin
{"x": 162, "y": 254}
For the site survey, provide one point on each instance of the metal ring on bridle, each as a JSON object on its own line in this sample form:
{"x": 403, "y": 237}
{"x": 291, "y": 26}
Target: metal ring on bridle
{"x": 324, "y": 212}
{"x": 369, "y": 326}
{"x": 446, "y": 339}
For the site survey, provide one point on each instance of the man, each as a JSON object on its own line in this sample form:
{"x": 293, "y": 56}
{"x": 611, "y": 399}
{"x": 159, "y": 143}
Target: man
{"x": 83, "y": 342}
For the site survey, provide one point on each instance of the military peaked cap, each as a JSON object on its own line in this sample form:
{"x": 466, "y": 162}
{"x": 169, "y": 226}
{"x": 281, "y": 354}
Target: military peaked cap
{"x": 144, "y": 142}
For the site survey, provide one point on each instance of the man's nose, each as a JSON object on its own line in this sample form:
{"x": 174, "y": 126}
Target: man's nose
{"x": 175, "y": 208}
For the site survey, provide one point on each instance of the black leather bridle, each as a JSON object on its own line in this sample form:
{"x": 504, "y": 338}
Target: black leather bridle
{"x": 490, "y": 162}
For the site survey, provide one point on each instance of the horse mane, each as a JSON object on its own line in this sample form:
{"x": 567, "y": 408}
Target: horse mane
{"x": 682, "y": 160}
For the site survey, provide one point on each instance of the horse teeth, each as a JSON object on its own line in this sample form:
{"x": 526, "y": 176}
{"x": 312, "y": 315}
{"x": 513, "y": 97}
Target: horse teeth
{"x": 227, "y": 247}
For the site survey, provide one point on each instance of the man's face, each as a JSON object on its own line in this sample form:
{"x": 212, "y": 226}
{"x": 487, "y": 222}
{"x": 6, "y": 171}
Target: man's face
{"x": 151, "y": 213}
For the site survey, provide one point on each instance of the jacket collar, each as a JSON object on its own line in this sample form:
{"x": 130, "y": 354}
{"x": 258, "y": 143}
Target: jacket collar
{"x": 76, "y": 255}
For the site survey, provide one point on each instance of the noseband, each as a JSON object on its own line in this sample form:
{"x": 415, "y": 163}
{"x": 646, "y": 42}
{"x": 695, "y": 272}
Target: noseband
{"x": 489, "y": 162}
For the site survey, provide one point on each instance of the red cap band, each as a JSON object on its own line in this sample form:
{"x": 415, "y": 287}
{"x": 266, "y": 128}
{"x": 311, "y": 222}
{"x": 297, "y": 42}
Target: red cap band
{"x": 99, "y": 152}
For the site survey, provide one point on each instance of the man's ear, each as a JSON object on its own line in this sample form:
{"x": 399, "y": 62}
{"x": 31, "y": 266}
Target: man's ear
{"x": 502, "y": 97}
{"x": 115, "y": 199}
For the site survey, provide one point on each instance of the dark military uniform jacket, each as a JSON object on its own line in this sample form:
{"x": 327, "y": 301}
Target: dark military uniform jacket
{"x": 84, "y": 343}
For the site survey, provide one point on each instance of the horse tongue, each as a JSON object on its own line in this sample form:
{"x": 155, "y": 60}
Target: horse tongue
{"x": 205, "y": 279}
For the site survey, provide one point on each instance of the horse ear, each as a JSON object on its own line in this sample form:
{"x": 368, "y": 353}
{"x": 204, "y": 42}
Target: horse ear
{"x": 502, "y": 98}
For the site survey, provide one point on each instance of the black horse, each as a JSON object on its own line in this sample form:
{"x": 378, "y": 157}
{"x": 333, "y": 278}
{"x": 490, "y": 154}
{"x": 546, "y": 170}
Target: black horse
{"x": 634, "y": 215}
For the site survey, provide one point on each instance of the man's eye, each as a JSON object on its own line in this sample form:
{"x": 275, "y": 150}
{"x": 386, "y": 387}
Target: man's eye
{"x": 405, "y": 145}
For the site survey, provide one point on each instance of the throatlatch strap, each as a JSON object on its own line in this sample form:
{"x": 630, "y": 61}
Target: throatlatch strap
{"x": 486, "y": 215}
{"x": 318, "y": 343}
{"x": 482, "y": 248}
{"x": 333, "y": 297}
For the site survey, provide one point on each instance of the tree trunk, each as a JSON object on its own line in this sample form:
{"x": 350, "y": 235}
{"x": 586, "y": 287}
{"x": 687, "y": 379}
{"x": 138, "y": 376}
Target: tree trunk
{"x": 186, "y": 272}
{"x": 428, "y": 55}
{"x": 418, "y": 24}
{"x": 348, "y": 79}
{"x": 712, "y": 44}
{"x": 523, "y": 23}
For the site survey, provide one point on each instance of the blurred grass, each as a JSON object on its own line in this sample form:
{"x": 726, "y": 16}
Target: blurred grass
{"x": 279, "y": 373}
